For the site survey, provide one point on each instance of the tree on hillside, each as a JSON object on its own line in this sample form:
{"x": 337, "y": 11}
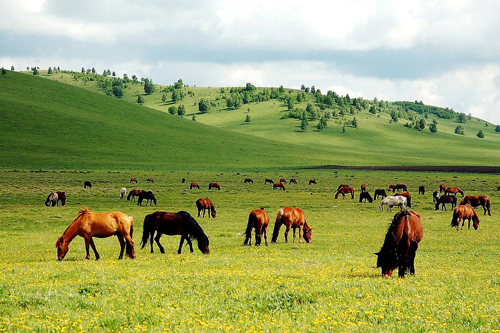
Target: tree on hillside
{"x": 462, "y": 118}
{"x": 12, "y": 68}
{"x": 113, "y": 74}
{"x": 35, "y": 71}
{"x": 181, "y": 110}
{"x": 354, "y": 122}
{"x": 149, "y": 87}
{"x": 83, "y": 70}
{"x": 247, "y": 118}
{"x": 172, "y": 110}
{"x": 49, "y": 71}
{"x": 497, "y": 129}
{"x": 313, "y": 90}
{"x": 460, "y": 130}
{"x": 394, "y": 117}
{"x": 433, "y": 126}
{"x": 4, "y": 71}
{"x": 140, "y": 99}
{"x": 281, "y": 90}
{"x": 203, "y": 105}
{"x": 480, "y": 134}
{"x": 134, "y": 79}
{"x": 193, "y": 118}
{"x": 303, "y": 121}
{"x": 179, "y": 84}
{"x": 250, "y": 87}
{"x": 372, "y": 110}
{"x": 303, "y": 87}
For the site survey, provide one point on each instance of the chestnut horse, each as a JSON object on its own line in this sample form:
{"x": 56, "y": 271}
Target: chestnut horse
{"x": 344, "y": 191}
{"x": 193, "y": 185}
{"x": 213, "y": 185}
{"x": 401, "y": 244}
{"x": 279, "y": 186}
{"x": 292, "y": 218}
{"x": 312, "y": 182}
{"x": 268, "y": 181}
{"x": 454, "y": 190}
{"x": 248, "y": 180}
{"x": 258, "y": 220}
{"x": 464, "y": 212}
{"x": 442, "y": 187}
{"x": 421, "y": 190}
{"x": 444, "y": 199}
{"x": 379, "y": 192}
{"x": 132, "y": 194}
{"x": 133, "y": 180}
{"x": 150, "y": 180}
{"x": 89, "y": 224}
{"x": 204, "y": 204}
{"x": 283, "y": 180}
{"x": 171, "y": 224}
{"x": 475, "y": 201}
{"x": 293, "y": 181}
{"x": 365, "y": 196}
{"x": 342, "y": 186}
{"x": 407, "y": 195}
{"x": 398, "y": 187}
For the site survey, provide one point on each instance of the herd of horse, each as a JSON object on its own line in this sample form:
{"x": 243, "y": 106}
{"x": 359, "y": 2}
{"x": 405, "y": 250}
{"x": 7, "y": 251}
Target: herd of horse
{"x": 398, "y": 250}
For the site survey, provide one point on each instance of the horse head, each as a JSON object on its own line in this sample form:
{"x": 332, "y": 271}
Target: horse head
{"x": 307, "y": 233}
{"x": 62, "y": 248}
{"x": 203, "y": 244}
{"x": 475, "y": 220}
{"x": 214, "y": 213}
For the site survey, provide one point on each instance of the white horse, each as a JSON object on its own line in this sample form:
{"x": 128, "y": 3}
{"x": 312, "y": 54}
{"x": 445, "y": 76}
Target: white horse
{"x": 391, "y": 201}
{"x": 123, "y": 191}
{"x": 51, "y": 199}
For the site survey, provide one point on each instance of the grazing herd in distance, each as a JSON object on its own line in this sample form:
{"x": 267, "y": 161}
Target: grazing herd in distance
{"x": 406, "y": 224}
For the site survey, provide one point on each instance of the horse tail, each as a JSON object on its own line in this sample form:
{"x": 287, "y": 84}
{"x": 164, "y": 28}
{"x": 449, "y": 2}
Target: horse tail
{"x": 129, "y": 248}
{"x": 248, "y": 232}
{"x": 277, "y": 225}
{"x": 145, "y": 231}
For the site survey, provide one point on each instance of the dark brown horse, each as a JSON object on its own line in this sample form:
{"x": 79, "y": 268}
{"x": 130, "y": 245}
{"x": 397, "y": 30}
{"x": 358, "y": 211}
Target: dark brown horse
{"x": 293, "y": 181}
{"x": 421, "y": 190}
{"x": 213, "y": 185}
{"x": 407, "y": 195}
{"x": 194, "y": 185}
{"x": 475, "y": 201}
{"x": 401, "y": 244}
{"x": 61, "y": 196}
{"x": 363, "y": 187}
{"x": 391, "y": 187}
{"x": 292, "y": 218}
{"x": 454, "y": 190}
{"x": 89, "y": 224}
{"x": 149, "y": 196}
{"x": 379, "y": 192}
{"x": 204, "y": 204}
{"x": 133, "y": 180}
{"x": 248, "y": 180}
{"x": 365, "y": 196}
{"x": 87, "y": 184}
{"x": 258, "y": 220}
{"x": 183, "y": 180}
{"x": 132, "y": 194}
{"x": 283, "y": 180}
{"x": 150, "y": 180}
{"x": 170, "y": 224}
{"x": 398, "y": 187}
{"x": 464, "y": 212}
{"x": 268, "y": 181}
{"x": 442, "y": 187}
{"x": 444, "y": 199}
{"x": 278, "y": 186}
{"x": 312, "y": 182}
{"x": 344, "y": 191}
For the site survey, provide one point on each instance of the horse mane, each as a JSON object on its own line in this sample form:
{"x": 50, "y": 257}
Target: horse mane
{"x": 194, "y": 229}
{"x": 388, "y": 252}
{"x": 80, "y": 214}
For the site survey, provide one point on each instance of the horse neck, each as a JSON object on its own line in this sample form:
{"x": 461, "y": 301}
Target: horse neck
{"x": 72, "y": 231}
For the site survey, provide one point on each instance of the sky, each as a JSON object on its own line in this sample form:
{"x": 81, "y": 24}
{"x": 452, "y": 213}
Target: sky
{"x": 444, "y": 53}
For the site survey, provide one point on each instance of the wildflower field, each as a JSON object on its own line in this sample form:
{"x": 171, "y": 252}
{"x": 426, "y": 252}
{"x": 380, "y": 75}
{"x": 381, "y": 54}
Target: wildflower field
{"x": 328, "y": 285}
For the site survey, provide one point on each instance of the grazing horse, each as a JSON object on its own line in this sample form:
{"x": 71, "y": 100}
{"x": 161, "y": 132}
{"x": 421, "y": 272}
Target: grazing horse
{"x": 442, "y": 187}
{"x": 312, "y": 182}
{"x": 171, "y": 224}
{"x": 398, "y": 187}
{"x": 342, "y": 186}
{"x": 464, "y": 212}
{"x": 407, "y": 195}
{"x": 363, "y": 187}
{"x": 344, "y": 191}
{"x": 476, "y": 201}
{"x": 421, "y": 190}
{"x": 204, "y": 204}
{"x": 293, "y": 181}
{"x": 123, "y": 191}
{"x": 132, "y": 194}
{"x": 87, "y": 184}
{"x": 379, "y": 192}
{"x": 391, "y": 201}
{"x": 149, "y": 196}
{"x": 391, "y": 188}
{"x": 194, "y": 185}
{"x": 435, "y": 196}
{"x": 283, "y": 180}
{"x": 279, "y": 186}
{"x": 258, "y": 220}
{"x": 365, "y": 196}
{"x": 61, "y": 196}
{"x": 268, "y": 181}
{"x": 89, "y": 224}
{"x": 183, "y": 180}
{"x": 454, "y": 190}
{"x": 248, "y": 180}
{"x": 292, "y": 218}
{"x": 150, "y": 180}
{"x": 213, "y": 185}
{"x": 444, "y": 199}
{"x": 51, "y": 200}
{"x": 401, "y": 244}
{"x": 133, "y": 180}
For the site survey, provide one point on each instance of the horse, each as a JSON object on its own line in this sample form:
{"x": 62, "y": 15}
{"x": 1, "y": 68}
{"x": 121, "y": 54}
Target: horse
{"x": 204, "y": 204}
{"x": 248, "y": 180}
{"x": 344, "y": 191}
{"x": 183, "y": 180}
{"x": 407, "y": 195}
{"x": 398, "y": 187}
{"x": 421, "y": 190}
{"x": 292, "y": 218}
{"x": 258, "y": 220}
{"x": 379, "y": 192}
{"x": 293, "y": 181}
{"x": 149, "y": 196}
{"x": 464, "y": 212}
{"x": 213, "y": 185}
{"x": 442, "y": 187}
{"x": 365, "y": 196}
{"x": 279, "y": 186}
{"x": 444, "y": 199}
{"x": 123, "y": 191}
{"x": 391, "y": 201}
{"x": 342, "y": 186}
{"x": 133, "y": 180}
{"x": 89, "y": 224}
{"x": 312, "y": 182}
{"x": 391, "y": 187}
{"x": 132, "y": 194}
{"x": 283, "y": 180}
{"x": 193, "y": 185}
{"x": 51, "y": 200}
{"x": 150, "y": 180}
{"x": 171, "y": 224}
{"x": 268, "y": 181}
{"x": 435, "y": 196}
{"x": 454, "y": 190}
{"x": 61, "y": 196}
{"x": 87, "y": 184}
{"x": 401, "y": 244}
{"x": 363, "y": 187}
{"x": 476, "y": 201}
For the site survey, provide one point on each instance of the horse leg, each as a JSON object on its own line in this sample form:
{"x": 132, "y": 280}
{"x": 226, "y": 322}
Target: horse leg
{"x": 300, "y": 233}
{"x": 411, "y": 257}
{"x": 157, "y": 239}
{"x": 265, "y": 234}
{"x": 152, "y": 233}
{"x": 97, "y": 256}
{"x": 87, "y": 243}
{"x": 122, "y": 246}
{"x": 199, "y": 210}
{"x": 294, "y": 229}
{"x": 180, "y": 245}
{"x": 286, "y": 233}
{"x": 188, "y": 240}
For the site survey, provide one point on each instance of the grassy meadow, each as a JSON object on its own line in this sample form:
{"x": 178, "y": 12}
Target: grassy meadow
{"x": 328, "y": 285}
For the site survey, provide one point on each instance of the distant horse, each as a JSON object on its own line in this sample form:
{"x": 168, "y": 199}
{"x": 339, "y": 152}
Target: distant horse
{"x": 248, "y": 180}
{"x": 344, "y": 191}
{"x": 278, "y": 186}
{"x": 150, "y": 180}
{"x": 149, "y": 196}
{"x": 268, "y": 181}
{"x": 183, "y": 180}
{"x": 171, "y": 224}
{"x": 454, "y": 190}
{"x": 476, "y": 201}
{"x": 51, "y": 200}
{"x": 398, "y": 187}
{"x": 442, "y": 187}
{"x": 204, "y": 204}
{"x": 293, "y": 181}
{"x": 363, "y": 187}
{"x": 365, "y": 196}
{"x": 342, "y": 186}
{"x": 464, "y": 212}
{"x": 391, "y": 201}
{"x": 391, "y": 188}
{"x": 194, "y": 185}
{"x": 133, "y": 180}
{"x": 401, "y": 244}
{"x": 123, "y": 191}
{"x": 292, "y": 218}
{"x": 435, "y": 196}
{"x": 407, "y": 195}
{"x": 87, "y": 184}
{"x": 132, "y": 194}
{"x": 283, "y": 180}
{"x": 61, "y": 196}
{"x": 379, "y": 192}
{"x": 89, "y": 224}
{"x": 421, "y": 190}
{"x": 213, "y": 185}
{"x": 444, "y": 199}
{"x": 258, "y": 220}
{"x": 312, "y": 182}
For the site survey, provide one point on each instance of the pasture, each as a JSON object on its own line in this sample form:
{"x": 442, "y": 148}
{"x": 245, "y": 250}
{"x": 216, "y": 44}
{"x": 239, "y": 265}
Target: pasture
{"x": 328, "y": 285}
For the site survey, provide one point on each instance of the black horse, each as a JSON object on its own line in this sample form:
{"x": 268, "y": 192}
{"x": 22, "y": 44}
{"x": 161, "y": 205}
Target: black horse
{"x": 365, "y": 196}
{"x": 379, "y": 192}
{"x": 148, "y": 195}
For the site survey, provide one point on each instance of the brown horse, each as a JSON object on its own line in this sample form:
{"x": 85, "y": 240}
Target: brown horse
{"x": 454, "y": 190}
{"x": 133, "y": 180}
{"x": 312, "y": 182}
{"x": 293, "y": 181}
{"x": 292, "y": 218}
{"x": 204, "y": 204}
{"x": 150, "y": 180}
{"x": 213, "y": 185}
{"x": 391, "y": 187}
{"x": 132, "y": 194}
{"x": 401, "y": 244}
{"x": 363, "y": 187}
{"x": 442, "y": 187}
{"x": 278, "y": 186}
{"x": 194, "y": 185}
{"x": 398, "y": 187}
{"x": 444, "y": 199}
{"x": 283, "y": 180}
{"x": 475, "y": 201}
{"x": 379, "y": 192}
{"x": 89, "y": 224}
{"x": 258, "y": 220}
{"x": 421, "y": 190}
{"x": 407, "y": 195}
{"x": 180, "y": 223}
{"x": 61, "y": 196}
{"x": 464, "y": 212}
{"x": 268, "y": 181}
{"x": 344, "y": 191}
{"x": 342, "y": 186}
{"x": 87, "y": 184}
{"x": 248, "y": 180}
